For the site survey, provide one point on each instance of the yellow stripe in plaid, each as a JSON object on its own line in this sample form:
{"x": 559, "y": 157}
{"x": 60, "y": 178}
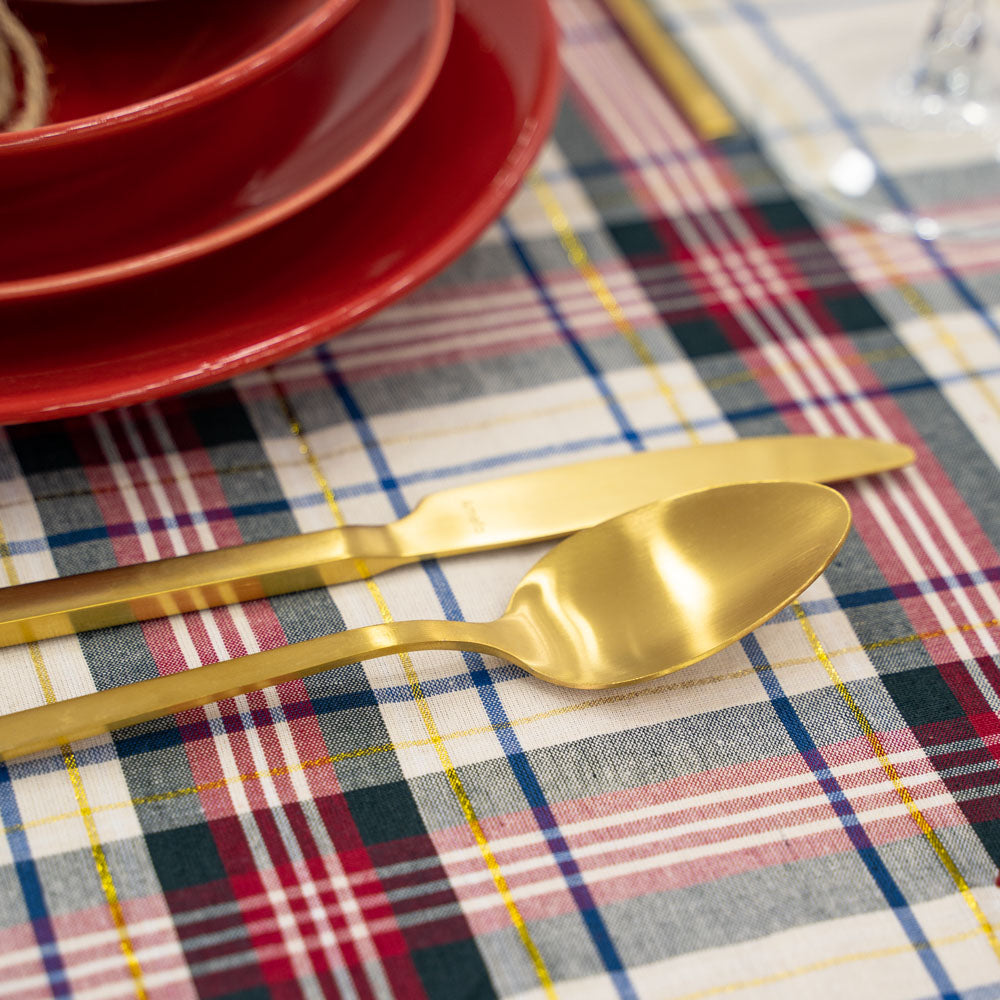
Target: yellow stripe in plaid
{"x": 828, "y": 963}
{"x": 618, "y": 697}
{"x": 901, "y": 790}
{"x": 454, "y": 781}
{"x": 578, "y": 258}
{"x": 83, "y": 804}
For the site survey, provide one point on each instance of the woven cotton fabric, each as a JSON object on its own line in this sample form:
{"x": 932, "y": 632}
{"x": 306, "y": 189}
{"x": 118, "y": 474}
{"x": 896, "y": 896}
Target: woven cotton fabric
{"x": 812, "y": 812}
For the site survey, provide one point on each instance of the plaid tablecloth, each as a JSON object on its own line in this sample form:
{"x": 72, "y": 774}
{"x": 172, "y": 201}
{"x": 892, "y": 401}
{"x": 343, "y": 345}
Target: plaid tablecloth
{"x": 812, "y": 812}
{"x": 813, "y": 81}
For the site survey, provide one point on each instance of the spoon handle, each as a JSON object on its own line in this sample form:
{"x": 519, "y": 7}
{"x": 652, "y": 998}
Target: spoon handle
{"x": 91, "y": 714}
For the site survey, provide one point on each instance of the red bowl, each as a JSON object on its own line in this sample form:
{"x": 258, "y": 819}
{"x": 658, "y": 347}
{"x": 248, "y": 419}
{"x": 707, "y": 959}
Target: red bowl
{"x": 114, "y": 67}
{"x": 265, "y": 154}
{"x": 135, "y": 82}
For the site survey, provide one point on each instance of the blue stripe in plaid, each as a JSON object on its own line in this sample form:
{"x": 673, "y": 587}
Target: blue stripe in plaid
{"x": 597, "y": 377}
{"x": 988, "y": 991}
{"x": 495, "y": 463}
{"x": 548, "y": 825}
{"x": 31, "y": 886}
{"x": 129, "y": 746}
{"x": 842, "y": 807}
{"x": 862, "y": 598}
{"x": 143, "y": 526}
{"x": 786, "y": 56}
{"x": 519, "y": 763}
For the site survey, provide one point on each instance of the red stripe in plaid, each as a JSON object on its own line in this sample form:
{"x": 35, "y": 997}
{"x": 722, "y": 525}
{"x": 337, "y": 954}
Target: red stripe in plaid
{"x": 106, "y": 491}
{"x": 228, "y": 806}
{"x": 90, "y": 947}
{"x": 202, "y": 489}
{"x": 198, "y": 466}
{"x": 622, "y": 874}
{"x": 797, "y": 267}
{"x": 492, "y": 324}
{"x": 121, "y": 446}
{"x": 125, "y": 448}
{"x": 21, "y": 961}
{"x": 974, "y": 704}
{"x": 720, "y": 242}
{"x": 351, "y": 859}
{"x": 678, "y": 840}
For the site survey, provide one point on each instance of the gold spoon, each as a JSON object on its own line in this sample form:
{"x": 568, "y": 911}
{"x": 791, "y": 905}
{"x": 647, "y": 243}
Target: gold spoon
{"x": 638, "y": 596}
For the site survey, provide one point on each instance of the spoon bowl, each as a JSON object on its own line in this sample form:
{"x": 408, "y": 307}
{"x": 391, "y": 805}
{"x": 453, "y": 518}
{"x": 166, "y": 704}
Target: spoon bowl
{"x": 638, "y": 596}
{"x": 669, "y": 584}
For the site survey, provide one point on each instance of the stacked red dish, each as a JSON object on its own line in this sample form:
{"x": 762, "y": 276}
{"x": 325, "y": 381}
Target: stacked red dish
{"x": 219, "y": 185}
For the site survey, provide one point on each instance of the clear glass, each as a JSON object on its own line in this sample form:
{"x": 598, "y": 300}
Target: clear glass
{"x": 920, "y": 154}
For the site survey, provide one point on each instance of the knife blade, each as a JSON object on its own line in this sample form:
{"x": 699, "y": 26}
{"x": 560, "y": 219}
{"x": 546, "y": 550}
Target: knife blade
{"x": 530, "y": 507}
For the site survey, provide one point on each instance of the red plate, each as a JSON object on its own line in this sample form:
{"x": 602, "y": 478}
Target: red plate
{"x": 401, "y": 220}
{"x": 284, "y": 145}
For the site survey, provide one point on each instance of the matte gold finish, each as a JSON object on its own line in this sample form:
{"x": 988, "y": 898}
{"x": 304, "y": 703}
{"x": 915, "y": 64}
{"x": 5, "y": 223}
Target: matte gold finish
{"x": 700, "y": 104}
{"x": 531, "y": 507}
{"x": 641, "y": 595}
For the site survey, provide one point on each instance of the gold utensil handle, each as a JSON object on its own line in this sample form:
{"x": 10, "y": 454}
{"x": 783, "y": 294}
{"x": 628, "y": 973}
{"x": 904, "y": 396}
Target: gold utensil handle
{"x": 92, "y": 714}
{"x": 670, "y": 65}
{"x": 70, "y": 604}
{"x": 529, "y": 507}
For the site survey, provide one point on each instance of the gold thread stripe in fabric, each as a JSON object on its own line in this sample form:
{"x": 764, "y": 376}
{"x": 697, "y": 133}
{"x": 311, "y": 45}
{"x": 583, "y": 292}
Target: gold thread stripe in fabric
{"x": 901, "y": 790}
{"x": 580, "y": 259}
{"x": 282, "y": 770}
{"x": 748, "y": 375}
{"x": 829, "y": 963}
{"x": 7, "y": 559}
{"x": 454, "y": 781}
{"x": 671, "y": 66}
{"x": 83, "y": 804}
{"x": 919, "y": 304}
{"x": 619, "y": 697}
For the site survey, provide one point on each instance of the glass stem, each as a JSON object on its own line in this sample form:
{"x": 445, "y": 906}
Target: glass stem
{"x": 950, "y": 53}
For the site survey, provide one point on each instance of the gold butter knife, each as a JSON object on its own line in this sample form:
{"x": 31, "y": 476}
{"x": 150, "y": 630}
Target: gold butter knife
{"x": 530, "y": 507}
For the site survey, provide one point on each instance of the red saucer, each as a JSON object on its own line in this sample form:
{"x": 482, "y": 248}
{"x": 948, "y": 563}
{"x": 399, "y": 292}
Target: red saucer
{"x": 401, "y": 220}
{"x": 266, "y": 153}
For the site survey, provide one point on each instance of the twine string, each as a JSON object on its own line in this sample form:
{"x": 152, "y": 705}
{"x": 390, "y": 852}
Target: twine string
{"x": 25, "y": 106}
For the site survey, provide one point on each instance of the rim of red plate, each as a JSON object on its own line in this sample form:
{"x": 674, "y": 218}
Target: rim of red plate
{"x": 535, "y": 130}
{"x": 244, "y": 71}
{"x": 228, "y": 233}
{"x": 37, "y": 405}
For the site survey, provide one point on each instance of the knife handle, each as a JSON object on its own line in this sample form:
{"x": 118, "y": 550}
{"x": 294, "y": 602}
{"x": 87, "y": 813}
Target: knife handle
{"x": 62, "y": 606}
